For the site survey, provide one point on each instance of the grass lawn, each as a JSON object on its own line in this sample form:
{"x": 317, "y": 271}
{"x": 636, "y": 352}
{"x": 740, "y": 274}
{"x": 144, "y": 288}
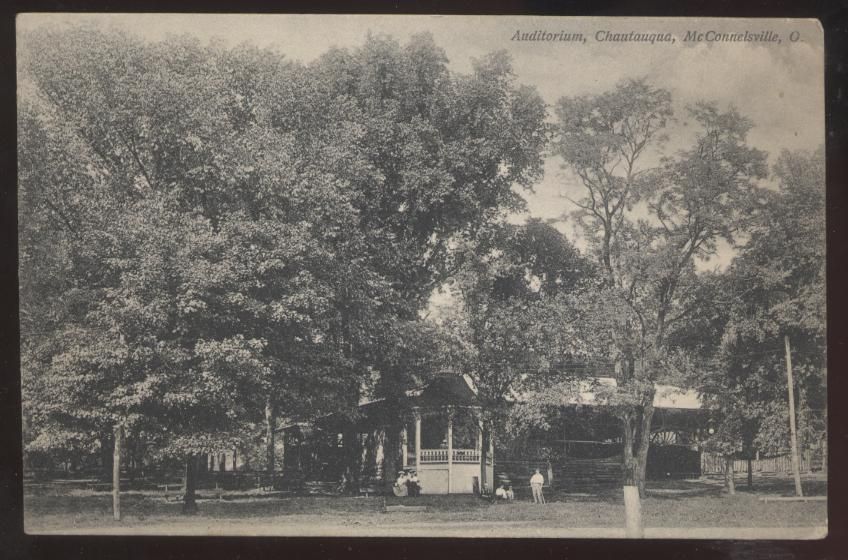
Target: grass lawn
{"x": 670, "y": 504}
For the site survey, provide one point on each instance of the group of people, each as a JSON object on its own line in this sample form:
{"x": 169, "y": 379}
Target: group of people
{"x": 506, "y": 493}
{"x": 407, "y": 484}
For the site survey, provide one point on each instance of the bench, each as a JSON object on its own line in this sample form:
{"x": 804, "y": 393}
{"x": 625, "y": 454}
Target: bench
{"x": 366, "y": 489}
{"x": 165, "y": 487}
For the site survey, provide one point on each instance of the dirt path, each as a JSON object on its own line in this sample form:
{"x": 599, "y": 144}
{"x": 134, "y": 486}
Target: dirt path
{"x": 469, "y": 530}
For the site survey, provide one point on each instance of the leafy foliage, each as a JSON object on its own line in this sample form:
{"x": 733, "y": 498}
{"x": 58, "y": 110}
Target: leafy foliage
{"x": 207, "y": 228}
{"x": 647, "y": 225}
{"x": 776, "y": 288}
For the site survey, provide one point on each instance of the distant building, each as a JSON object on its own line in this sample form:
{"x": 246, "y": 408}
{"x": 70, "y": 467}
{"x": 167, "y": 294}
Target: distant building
{"x": 440, "y": 434}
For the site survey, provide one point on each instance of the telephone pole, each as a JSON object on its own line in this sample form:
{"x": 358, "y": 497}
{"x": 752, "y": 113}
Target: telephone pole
{"x": 796, "y": 469}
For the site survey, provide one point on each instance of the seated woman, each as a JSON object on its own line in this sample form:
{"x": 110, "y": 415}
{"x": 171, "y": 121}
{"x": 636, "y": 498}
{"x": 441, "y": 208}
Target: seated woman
{"x": 505, "y": 493}
{"x": 400, "y": 487}
{"x": 413, "y": 485}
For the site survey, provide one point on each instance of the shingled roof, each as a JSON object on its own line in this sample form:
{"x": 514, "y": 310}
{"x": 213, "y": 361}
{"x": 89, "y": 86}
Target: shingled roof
{"x": 446, "y": 389}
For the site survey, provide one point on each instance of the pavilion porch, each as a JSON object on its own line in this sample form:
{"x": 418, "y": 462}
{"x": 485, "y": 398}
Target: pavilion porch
{"x": 446, "y": 451}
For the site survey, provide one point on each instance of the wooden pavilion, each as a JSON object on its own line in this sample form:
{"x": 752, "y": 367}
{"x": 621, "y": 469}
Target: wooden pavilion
{"x": 436, "y": 430}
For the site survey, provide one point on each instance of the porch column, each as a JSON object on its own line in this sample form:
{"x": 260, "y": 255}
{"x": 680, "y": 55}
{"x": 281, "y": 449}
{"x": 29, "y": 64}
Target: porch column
{"x": 491, "y": 456}
{"x": 450, "y": 447}
{"x": 282, "y": 442}
{"x": 479, "y": 435}
{"x": 417, "y": 439}
{"x": 482, "y": 459}
{"x": 403, "y": 444}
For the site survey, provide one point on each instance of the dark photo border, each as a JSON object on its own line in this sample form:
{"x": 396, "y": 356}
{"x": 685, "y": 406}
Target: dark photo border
{"x": 15, "y": 544}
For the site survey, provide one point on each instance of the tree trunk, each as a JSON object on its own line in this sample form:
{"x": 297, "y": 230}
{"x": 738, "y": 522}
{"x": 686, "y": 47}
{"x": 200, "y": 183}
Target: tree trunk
{"x": 269, "y": 437}
{"x": 628, "y": 461}
{"x": 391, "y": 453}
{"x": 131, "y": 460}
{"x": 107, "y": 448}
{"x": 351, "y": 452}
{"x": 190, "y": 485}
{"x": 116, "y": 472}
{"x": 750, "y": 473}
{"x": 633, "y": 513}
{"x": 644, "y": 444}
{"x": 728, "y": 475}
{"x": 632, "y": 502}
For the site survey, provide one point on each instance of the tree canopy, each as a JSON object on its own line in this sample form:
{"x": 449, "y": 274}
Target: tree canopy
{"x": 204, "y": 228}
{"x": 647, "y": 224}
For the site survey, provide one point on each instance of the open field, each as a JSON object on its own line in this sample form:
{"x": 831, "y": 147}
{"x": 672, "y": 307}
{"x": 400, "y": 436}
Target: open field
{"x": 692, "y": 508}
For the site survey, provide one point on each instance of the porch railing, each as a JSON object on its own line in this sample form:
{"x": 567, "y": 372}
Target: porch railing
{"x": 441, "y": 456}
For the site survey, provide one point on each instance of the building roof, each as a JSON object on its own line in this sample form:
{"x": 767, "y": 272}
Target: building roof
{"x": 666, "y": 397}
{"x": 444, "y": 390}
{"x": 459, "y": 390}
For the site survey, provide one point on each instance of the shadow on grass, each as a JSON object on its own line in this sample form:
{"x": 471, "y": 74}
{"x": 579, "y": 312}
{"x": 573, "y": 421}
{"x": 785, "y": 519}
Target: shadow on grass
{"x": 700, "y": 502}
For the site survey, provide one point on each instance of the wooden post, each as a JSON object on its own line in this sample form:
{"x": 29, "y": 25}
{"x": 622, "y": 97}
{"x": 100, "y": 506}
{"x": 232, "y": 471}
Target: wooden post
{"x": 824, "y": 452}
{"x": 116, "y": 472}
{"x": 450, "y": 447}
{"x": 417, "y": 440}
{"x": 792, "y": 435}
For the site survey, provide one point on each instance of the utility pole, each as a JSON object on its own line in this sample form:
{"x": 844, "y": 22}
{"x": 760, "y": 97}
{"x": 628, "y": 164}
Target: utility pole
{"x": 116, "y": 472}
{"x": 796, "y": 469}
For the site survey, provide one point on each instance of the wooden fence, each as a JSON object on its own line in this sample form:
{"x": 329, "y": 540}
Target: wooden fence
{"x": 712, "y": 463}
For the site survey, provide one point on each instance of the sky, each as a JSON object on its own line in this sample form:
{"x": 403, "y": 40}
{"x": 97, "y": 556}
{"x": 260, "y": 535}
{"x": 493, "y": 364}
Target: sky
{"x": 778, "y": 85}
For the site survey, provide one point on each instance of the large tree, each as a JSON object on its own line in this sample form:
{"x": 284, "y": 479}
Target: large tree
{"x": 646, "y": 225}
{"x": 206, "y": 254}
{"x": 432, "y": 156}
{"x": 515, "y": 315}
{"x": 265, "y": 232}
{"x": 774, "y": 288}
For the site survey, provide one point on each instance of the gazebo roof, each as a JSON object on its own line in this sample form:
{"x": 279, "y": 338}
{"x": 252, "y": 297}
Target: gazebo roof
{"x": 448, "y": 389}
{"x": 444, "y": 389}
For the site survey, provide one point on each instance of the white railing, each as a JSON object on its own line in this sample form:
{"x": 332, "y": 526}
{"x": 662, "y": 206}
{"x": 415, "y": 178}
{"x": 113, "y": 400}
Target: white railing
{"x": 434, "y": 456}
{"x": 441, "y": 456}
{"x": 466, "y": 456}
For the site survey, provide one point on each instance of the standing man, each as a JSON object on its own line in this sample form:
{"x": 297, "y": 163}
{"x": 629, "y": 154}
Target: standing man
{"x": 536, "y": 482}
